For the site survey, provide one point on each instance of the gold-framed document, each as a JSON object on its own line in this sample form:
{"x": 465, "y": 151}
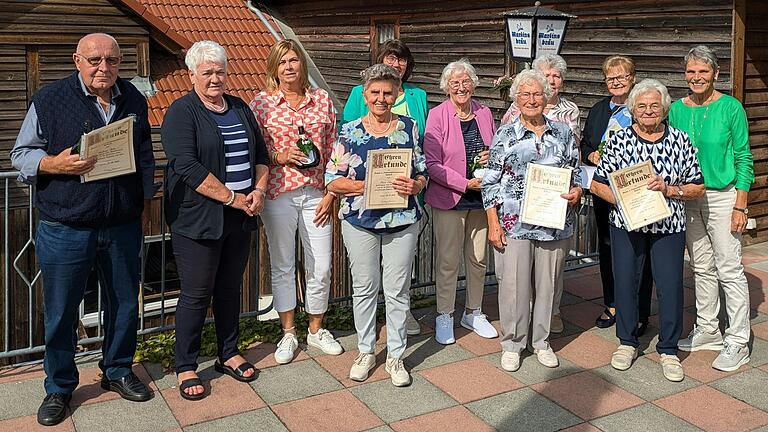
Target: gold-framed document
{"x": 542, "y": 203}
{"x": 639, "y": 206}
{"x": 383, "y": 166}
{"x": 112, "y": 145}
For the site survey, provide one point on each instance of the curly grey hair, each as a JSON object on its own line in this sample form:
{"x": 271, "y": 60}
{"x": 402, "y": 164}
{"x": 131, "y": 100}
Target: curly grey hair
{"x": 645, "y": 86}
{"x": 380, "y": 72}
{"x": 550, "y": 61}
{"x": 458, "y": 67}
{"x": 205, "y": 51}
{"x": 528, "y": 76}
{"x": 701, "y": 53}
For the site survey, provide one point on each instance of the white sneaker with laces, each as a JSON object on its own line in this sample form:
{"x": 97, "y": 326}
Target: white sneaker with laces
{"x": 412, "y": 326}
{"x": 396, "y": 370}
{"x": 731, "y": 357}
{"x": 510, "y": 361}
{"x": 444, "y": 329}
{"x": 699, "y": 340}
{"x": 478, "y": 323}
{"x": 547, "y": 357}
{"x": 324, "y": 340}
{"x": 671, "y": 368}
{"x": 286, "y": 348}
{"x": 362, "y": 366}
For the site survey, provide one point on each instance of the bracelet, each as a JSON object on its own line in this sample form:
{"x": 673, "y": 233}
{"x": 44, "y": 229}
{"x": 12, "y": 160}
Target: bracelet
{"x": 260, "y": 190}
{"x": 231, "y": 198}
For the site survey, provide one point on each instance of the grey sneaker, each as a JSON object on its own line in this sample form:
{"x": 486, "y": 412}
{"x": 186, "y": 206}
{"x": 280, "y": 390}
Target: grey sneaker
{"x": 731, "y": 357}
{"x": 412, "y": 326}
{"x": 699, "y": 340}
{"x": 396, "y": 370}
{"x": 671, "y": 367}
{"x": 362, "y": 366}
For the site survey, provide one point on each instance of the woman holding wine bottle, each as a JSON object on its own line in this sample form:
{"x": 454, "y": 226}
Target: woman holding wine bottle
{"x": 299, "y": 127}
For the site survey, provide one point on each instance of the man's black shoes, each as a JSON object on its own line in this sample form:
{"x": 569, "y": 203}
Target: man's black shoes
{"x": 128, "y": 387}
{"x": 54, "y": 409}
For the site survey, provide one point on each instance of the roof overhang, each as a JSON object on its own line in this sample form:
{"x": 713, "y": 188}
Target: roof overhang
{"x": 159, "y": 30}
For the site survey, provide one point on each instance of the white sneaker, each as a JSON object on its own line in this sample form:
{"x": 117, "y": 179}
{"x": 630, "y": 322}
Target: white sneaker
{"x": 362, "y": 366}
{"x": 286, "y": 348}
{"x": 478, "y": 323}
{"x": 412, "y": 326}
{"x": 396, "y": 370}
{"x": 444, "y": 329}
{"x": 547, "y": 357}
{"x": 622, "y": 358}
{"x": 671, "y": 368}
{"x": 731, "y": 358}
{"x": 510, "y": 361}
{"x": 699, "y": 340}
{"x": 324, "y": 340}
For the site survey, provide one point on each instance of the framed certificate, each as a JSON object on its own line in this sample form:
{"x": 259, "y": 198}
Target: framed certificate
{"x": 638, "y": 205}
{"x": 112, "y": 145}
{"x": 542, "y": 203}
{"x": 382, "y": 168}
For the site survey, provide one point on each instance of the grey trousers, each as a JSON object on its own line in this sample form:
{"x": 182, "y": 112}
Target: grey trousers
{"x": 380, "y": 261}
{"x": 519, "y": 259}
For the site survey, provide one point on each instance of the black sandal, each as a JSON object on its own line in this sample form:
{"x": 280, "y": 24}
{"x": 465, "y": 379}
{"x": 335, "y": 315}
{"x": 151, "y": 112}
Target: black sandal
{"x": 192, "y": 382}
{"x": 239, "y": 373}
{"x": 606, "y": 322}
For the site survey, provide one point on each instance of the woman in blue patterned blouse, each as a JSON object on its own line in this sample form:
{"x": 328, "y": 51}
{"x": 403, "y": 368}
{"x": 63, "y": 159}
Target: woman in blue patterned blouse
{"x": 379, "y": 242}
{"x": 679, "y": 178}
{"x": 519, "y": 247}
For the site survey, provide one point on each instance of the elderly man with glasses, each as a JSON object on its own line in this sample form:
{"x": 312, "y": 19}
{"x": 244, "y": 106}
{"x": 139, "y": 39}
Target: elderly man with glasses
{"x": 86, "y": 224}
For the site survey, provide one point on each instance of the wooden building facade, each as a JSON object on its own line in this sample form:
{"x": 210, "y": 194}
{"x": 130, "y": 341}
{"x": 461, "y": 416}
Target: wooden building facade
{"x": 342, "y": 37}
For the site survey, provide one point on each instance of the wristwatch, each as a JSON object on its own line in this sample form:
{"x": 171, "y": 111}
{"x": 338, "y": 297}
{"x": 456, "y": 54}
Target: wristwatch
{"x": 743, "y": 210}
{"x": 680, "y": 192}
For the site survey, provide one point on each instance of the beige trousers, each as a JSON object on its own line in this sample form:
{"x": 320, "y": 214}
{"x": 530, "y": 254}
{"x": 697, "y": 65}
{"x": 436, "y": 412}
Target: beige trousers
{"x": 454, "y": 230}
{"x": 519, "y": 258}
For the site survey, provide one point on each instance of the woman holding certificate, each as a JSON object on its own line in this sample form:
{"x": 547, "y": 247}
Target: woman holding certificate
{"x": 459, "y": 131}
{"x": 531, "y": 143}
{"x": 674, "y": 176}
{"x": 717, "y": 125}
{"x": 215, "y": 181}
{"x": 378, "y": 167}
{"x": 299, "y": 126}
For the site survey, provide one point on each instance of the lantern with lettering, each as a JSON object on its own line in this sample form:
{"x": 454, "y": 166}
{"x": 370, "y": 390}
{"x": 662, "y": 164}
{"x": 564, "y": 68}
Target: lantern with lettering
{"x": 536, "y": 30}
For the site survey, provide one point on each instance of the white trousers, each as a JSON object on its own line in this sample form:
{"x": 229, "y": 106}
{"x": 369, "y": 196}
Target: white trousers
{"x": 380, "y": 261}
{"x": 715, "y": 254}
{"x": 282, "y": 217}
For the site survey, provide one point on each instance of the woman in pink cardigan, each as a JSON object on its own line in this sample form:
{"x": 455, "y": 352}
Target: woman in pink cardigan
{"x": 456, "y": 140}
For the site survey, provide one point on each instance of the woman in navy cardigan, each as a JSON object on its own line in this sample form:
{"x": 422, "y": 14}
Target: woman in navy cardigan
{"x": 456, "y": 141}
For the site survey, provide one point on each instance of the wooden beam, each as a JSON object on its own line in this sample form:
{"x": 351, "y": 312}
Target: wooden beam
{"x": 142, "y": 59}
{"x": 33, "y": 70}
{"x": 737, "y": 49}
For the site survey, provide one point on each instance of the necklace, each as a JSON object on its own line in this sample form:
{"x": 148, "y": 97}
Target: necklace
{"x": 375, "y": 132}
{"x": 461, "y": 115}
{"x": 216, "y": 108}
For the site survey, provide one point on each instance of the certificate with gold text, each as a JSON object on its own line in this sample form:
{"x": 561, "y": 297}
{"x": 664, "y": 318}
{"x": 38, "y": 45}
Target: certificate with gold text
{"x": 638, "y": 205}
{"x": 112, "y": 145}
{"x": 542, "y": 203}
{"x": 383, "y": 166}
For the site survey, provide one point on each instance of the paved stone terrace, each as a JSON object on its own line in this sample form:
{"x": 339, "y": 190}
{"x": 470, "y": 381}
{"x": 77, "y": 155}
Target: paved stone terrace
{"x": 455, "y": 388}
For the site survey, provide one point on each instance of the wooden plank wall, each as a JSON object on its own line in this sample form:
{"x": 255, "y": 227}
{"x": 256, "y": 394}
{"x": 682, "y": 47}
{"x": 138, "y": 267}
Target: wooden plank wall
{"x": 756, "y": 104}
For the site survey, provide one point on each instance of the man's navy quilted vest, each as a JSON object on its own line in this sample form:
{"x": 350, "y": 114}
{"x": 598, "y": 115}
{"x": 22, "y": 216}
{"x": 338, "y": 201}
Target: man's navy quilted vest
{"x": 65, "y": 113}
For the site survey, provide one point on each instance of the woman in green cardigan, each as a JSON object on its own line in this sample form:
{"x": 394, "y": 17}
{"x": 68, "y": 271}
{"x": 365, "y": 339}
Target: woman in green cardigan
{"x": 411, "y": 102}
{"x": 717, "y": 126}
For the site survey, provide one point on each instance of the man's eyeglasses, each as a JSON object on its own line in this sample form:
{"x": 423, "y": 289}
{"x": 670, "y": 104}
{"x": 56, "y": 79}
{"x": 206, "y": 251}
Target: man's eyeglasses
{"x": 95, "y": 61}
{"x": 467, "y": 83}
{"x": 392, "y": 59}
{"x": 619, "y": 78}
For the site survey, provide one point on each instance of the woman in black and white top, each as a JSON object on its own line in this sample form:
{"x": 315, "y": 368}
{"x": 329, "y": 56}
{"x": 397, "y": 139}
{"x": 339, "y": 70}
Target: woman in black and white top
{"x": 663, "y": 242}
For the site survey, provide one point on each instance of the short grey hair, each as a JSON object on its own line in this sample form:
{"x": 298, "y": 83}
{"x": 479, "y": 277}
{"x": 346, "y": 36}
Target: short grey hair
{"x": 646, "y": 86}
{"x": 550, "y": 61}
{"x": 456, "y": 68}
{"x": 527, "y": 76}
{"x": 205, "y": 51}
{"x": 380, "y": 72}
{"x": 704, "y": 54}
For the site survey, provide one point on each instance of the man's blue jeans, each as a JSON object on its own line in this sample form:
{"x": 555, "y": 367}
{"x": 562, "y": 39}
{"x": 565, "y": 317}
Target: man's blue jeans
{"x": 67, "y": 254}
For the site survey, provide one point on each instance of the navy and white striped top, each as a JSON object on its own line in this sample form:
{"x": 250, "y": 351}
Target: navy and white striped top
{"x": 238, "y": 162}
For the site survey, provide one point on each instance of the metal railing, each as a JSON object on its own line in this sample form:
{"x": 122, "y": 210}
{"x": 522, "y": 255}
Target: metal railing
{"x": 21, "y": 277}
